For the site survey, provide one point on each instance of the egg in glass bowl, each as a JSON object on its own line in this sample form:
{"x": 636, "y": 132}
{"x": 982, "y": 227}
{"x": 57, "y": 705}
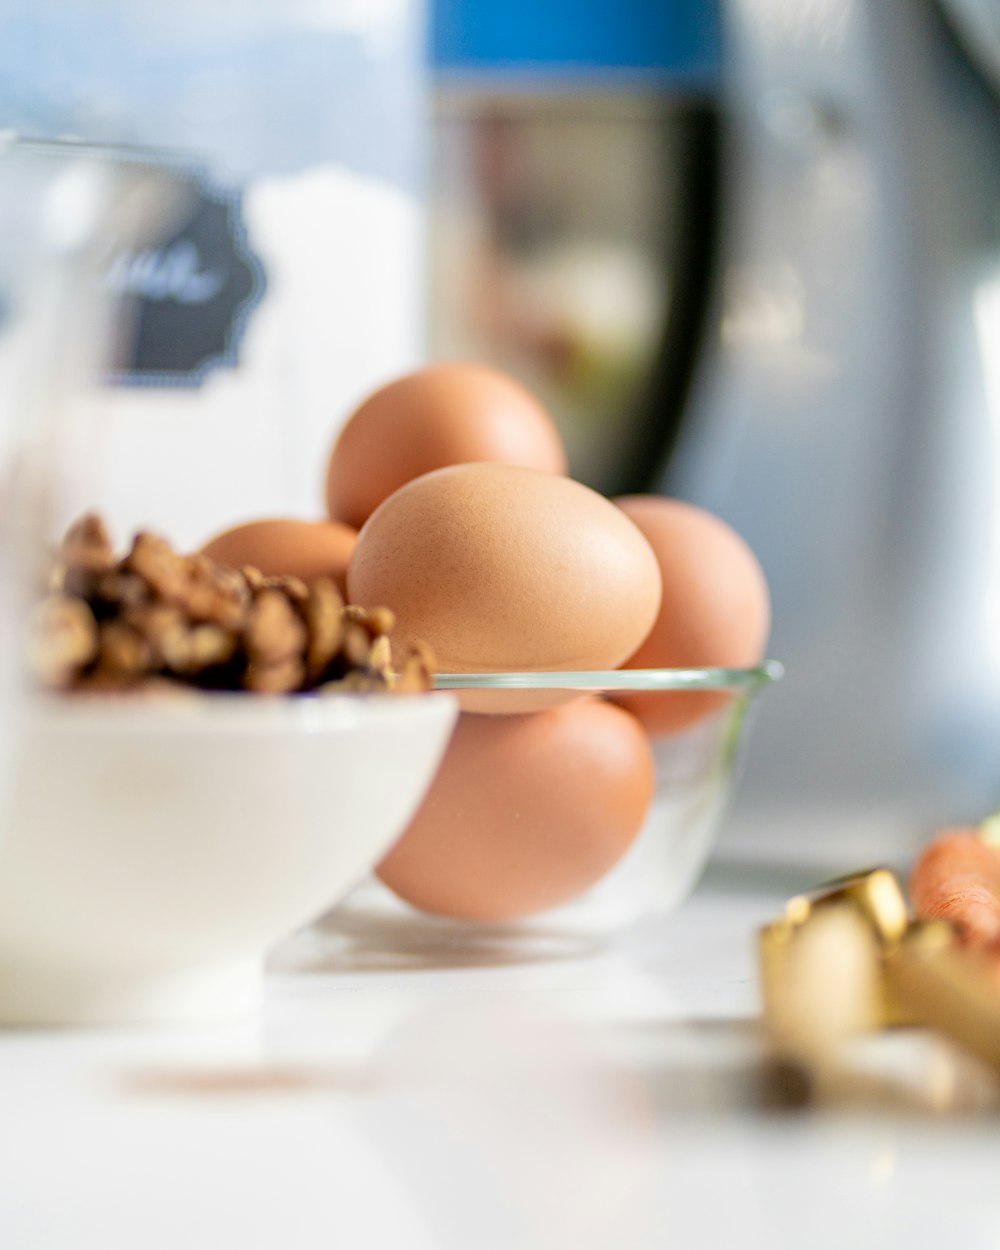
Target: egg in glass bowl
{"x": 548, "y": 832}
{"x": 605, "y": 654}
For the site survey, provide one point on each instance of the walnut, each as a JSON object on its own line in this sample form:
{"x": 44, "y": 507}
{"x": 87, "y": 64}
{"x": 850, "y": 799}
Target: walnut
{"x": 381, "y": 621}
{"x": 123, "y": 650}
{"x": 153, "y": 559}
{"x": 162, "y": 625}
{"x": 254, "y": 578}
{"x": 376, "y": 621}
{"x": 324, "y": 622}
{"x": 274, "y": 631}
{"x": 105, "y": 683}
{"x": 216, "y": 595}
{"x": 280, "y": 678}
{"x": 158, "y": 620}
{"x": 356, "y": 645}
{"x": 209, "y": 646}
{"x": 356, "y": 681}
{"x": 87, "y": 546}
{"x": 380, "y": 655}
{"x": 189, "y": 651}
{"x": 293, "y": 587}
{"x": 417, "y": 672}
{"x": 76, "y": 581}
{"x": 62, "y": 640}
{"x": 125, "y": 590}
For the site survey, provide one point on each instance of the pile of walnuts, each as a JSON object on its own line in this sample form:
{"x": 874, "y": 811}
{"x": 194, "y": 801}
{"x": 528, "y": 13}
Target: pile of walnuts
{"x": 158, "y": 618}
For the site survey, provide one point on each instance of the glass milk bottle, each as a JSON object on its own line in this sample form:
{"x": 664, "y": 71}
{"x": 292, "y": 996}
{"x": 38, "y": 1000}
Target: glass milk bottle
{"x": 285, "y": 279}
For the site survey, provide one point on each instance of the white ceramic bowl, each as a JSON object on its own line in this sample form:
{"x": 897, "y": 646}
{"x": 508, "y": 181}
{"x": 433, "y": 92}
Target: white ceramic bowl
{"x": 154, "y": 851}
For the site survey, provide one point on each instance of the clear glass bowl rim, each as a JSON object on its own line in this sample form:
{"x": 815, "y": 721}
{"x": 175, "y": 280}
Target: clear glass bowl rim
{"x": 747, "y": 680}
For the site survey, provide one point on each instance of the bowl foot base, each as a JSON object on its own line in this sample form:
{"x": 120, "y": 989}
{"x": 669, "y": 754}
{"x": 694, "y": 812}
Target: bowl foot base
{"x": 31, "y": 996}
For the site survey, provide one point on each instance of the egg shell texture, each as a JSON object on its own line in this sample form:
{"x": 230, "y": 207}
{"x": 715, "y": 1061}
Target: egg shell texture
{"x": 441, "y": 415}
{"x": 715, "y": 609}
{"x": 505, "y": 568}
{"x": 287, "y": 548}
{"x": 526, "y": 812}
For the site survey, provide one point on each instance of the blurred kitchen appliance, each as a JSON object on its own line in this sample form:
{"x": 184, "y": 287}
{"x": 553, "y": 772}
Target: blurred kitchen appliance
{"x": 810, "y": 314}
{"x": 846, "y": 416}
{"x": 574, "y": 210}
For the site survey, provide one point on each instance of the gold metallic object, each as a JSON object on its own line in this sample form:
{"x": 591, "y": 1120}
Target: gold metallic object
{"x": 875, "y": 901}
{"x": 773, "y": 944}
{"x": 877, "y": 895}
{"x": 846, "y": 961}
{"x": 947, "y": 988}
{"x": 822, "y": 983}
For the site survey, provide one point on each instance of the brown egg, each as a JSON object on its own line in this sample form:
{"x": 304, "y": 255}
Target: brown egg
{"x": 441, "y": 415}
{"x": 715, "y": 611}
{"x": 288, "y": 548}
{"x": 503, "y": 568}
{"x": 526, "y": 812}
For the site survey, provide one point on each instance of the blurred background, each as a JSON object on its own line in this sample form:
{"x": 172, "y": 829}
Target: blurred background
{"x": 747, "y": 251}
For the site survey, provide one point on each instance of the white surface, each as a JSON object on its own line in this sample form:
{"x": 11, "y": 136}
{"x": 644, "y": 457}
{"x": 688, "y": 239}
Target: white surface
{"x": 609, "y": 1102}
{"x": 154, "y": 852}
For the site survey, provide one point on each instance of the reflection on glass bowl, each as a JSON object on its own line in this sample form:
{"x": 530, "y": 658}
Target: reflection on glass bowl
{"x": 695, "y": 770}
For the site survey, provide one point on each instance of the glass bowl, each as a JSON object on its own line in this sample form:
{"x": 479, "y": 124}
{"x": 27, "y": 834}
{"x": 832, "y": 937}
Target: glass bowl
{"x": 695, "y": 771}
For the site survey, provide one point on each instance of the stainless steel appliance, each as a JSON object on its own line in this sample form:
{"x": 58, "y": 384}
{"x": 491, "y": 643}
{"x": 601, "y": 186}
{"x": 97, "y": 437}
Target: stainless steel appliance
{"x": 574, "y": 210}
{"x": 803, "y": 263}
{"x": 847, "y": 413}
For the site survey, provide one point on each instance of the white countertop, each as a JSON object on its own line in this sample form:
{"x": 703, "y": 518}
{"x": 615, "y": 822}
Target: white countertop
{"x": 617, "y": 1100}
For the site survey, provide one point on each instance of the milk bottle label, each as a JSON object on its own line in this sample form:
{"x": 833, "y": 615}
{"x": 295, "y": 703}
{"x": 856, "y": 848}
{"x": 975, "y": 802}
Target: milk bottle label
{"x": 186, "y": 298}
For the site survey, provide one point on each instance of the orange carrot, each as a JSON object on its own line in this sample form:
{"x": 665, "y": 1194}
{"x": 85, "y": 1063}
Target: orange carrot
{"x": 957, "y": 878}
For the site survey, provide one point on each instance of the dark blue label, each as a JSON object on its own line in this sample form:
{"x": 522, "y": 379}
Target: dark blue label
{"x": 186, "y": 300}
